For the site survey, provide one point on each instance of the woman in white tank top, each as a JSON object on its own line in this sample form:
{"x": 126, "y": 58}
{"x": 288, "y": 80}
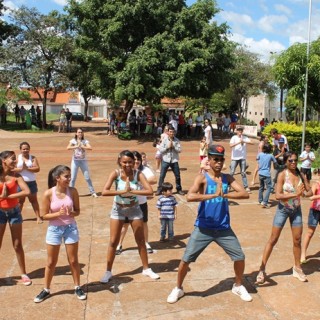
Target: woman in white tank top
{"x": 27, "y": 167}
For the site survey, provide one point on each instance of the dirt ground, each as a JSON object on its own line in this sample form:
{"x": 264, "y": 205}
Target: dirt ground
{"x": 130, "y": 295}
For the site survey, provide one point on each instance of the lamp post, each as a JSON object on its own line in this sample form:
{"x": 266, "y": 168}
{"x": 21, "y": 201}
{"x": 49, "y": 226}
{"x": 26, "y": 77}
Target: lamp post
{"x": 306, "y": 83}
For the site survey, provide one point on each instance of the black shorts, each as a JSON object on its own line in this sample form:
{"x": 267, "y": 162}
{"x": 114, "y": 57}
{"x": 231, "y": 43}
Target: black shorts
{"x": 307, "y": 173}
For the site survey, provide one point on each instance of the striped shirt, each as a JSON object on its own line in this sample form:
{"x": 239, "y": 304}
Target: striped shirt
{"x": 166, "y": 206}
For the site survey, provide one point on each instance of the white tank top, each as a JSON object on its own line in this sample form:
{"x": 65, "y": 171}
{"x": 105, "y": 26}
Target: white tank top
{"x": 26, "y": 174}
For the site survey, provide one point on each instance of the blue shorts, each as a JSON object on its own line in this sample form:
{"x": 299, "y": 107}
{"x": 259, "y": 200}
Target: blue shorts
{"x": 131, "y": 213}
{"x": 314, "y": 218}
{"x": 32, "y": 186}
{"x": 283, "y": 213}
{"x": 69, "y": 233}
{"x": 201, "y": 238}
{"x": 11, "y": 216}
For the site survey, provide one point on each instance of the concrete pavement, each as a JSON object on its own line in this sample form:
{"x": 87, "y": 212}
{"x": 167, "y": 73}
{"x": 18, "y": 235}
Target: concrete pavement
{"x": 130, "y": 295}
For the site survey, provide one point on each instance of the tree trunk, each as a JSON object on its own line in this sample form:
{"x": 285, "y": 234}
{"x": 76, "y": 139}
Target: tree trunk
{"x": 128, "y": 107}
{"x": 86, "y": 107}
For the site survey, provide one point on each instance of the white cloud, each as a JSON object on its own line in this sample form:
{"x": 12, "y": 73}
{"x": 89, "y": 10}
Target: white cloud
{"x": 262, "y": 47}
{"x": 283, "y": 9}
{"x": 60, "y": 2}
{"x": 238, "y": 21}
{"x": 270, "y": 23}
{"x": 298, "y": 31}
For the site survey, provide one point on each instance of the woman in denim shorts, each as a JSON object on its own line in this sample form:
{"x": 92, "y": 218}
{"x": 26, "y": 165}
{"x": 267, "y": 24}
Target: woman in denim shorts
{"x": 60, "y": 207}
{"x": 291, "y": 185}
{"x": 28, "y": 166}
{"x": 12, "y": 187}
{"x": 129, "y": 184}
{"x": 314, "y": 216}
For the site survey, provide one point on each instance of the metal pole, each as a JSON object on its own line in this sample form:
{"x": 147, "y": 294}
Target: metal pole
{"x": 306, "y": 83}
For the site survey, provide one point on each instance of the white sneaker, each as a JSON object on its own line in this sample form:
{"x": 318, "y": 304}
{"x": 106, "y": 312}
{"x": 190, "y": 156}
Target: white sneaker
{"x": 242, "y": 292}
{"x": 106, "y": 277}
{"x": 299, "y": 274}
{"x": 149, "y": 273}
{"x": 94, "y": 195}
{"x": 175, "y": 295}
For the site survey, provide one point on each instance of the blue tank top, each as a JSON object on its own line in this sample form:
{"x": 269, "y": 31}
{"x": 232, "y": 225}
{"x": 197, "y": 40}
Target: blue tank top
{"x": 214, "y": 213}
{"x": 120, "y": 185}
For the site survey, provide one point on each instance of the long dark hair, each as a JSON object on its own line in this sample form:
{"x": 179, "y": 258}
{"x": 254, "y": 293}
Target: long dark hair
{"x": 3, "y": 156}
{"x": 76, "y": 137}
{"x": 139, "y": 157}
{"x": 286, "y": 156}
{"x": 125, "y": 153}
{"x": 56, "y": 172}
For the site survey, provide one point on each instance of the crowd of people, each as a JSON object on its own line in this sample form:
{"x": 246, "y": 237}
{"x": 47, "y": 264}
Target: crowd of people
{"x": 133, "y": 180}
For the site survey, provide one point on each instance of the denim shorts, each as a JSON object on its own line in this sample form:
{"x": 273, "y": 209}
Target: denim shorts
{"x": 131, "y": 213}
{"x": 69, "y": 233}
{"x": 314, "y": 218}
{"x": 201, "y": 238}
{"x": 283, "y": 213}
{"x": 11, "y": 216}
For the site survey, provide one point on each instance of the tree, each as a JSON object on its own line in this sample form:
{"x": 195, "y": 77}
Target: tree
{"x": 146, "y": 50}
{"x": 290, "y": 72}
{"x": 6, "y": 29}
{"x": 250, "y": 77}
{"x": 36, "y": 55}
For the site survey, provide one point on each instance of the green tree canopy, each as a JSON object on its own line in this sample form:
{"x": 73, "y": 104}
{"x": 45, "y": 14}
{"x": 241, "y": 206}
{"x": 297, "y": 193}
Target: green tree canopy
{"x": 36, "y": 55}
{"x": 146, "y": 50}
{"x": 290, "y": 71}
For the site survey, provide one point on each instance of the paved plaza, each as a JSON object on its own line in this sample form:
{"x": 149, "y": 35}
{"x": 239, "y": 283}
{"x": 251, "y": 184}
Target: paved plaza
{"x": 130, "y": 295}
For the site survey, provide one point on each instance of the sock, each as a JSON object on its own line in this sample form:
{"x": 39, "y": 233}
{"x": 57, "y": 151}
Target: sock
{"x": 46, "y": 289}
{"x": 76, "y": 287}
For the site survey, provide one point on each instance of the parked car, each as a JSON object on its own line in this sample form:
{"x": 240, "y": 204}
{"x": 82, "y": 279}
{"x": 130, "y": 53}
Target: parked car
{"x": 78, "y": 116}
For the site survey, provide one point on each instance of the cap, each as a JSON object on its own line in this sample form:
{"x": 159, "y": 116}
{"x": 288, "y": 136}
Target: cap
{"x": 281, "y": 140}
{"x": 239, "y": 129}
{"x": 216, "y": 150}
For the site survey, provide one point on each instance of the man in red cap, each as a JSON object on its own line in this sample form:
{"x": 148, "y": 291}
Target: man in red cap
{"x": 213, "y": 222}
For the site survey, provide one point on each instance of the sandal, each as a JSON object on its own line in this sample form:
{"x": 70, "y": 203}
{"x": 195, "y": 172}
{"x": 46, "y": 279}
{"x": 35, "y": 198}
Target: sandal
{"x": 261, "y": 277}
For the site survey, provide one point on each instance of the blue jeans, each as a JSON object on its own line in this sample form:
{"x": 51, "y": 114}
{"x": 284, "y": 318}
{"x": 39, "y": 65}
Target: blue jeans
{"x": 166, "y": 224}
{"x": 243, "y": 164}
{"x": 265, "y": 183}
{"x": 83, "y": 165}
{"x": 176, "y": 171}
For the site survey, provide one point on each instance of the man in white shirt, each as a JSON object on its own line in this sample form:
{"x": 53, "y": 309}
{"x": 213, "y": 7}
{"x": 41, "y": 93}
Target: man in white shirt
{"x": 276, "y": 136}
{"x": 238, "y": 145}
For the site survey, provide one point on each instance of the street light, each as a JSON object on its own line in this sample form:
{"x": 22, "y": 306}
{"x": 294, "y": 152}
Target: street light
{"x": 306, "y": 83}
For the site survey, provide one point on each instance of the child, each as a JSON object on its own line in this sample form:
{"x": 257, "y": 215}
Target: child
{"x": 203, "y": 152}
{"x": 264, "y": 162}
{"x": 307, "y": 157}
{"x": 167, "y": 209}
{"x": 10, "y": 212}
{"x": 314, "y": 216}
{"x": 158, "y": 155}
{"x": 61, "y": 206}
{"x": 144, "y": 159}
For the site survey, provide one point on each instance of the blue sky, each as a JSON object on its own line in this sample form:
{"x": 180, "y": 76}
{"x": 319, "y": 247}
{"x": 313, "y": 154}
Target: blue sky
{"x": 264, "y": 26}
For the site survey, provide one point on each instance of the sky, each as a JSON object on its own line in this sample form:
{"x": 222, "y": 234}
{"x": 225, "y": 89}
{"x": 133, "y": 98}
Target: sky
{"x": 263, "y": 26}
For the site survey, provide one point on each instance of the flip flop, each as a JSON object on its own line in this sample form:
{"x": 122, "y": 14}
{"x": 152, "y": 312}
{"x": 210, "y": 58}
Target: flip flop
{"x": 261, "y": 277}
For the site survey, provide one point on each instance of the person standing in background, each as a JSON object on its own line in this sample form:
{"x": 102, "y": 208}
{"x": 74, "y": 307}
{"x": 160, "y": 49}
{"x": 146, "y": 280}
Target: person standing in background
{"x": 69, "y": 120}
{"x": 307, "y": 157}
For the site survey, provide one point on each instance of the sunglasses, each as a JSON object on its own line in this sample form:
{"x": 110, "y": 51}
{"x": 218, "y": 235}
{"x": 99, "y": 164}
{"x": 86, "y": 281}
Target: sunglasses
{"x": 293, "y": 160}
{"x": 218, "y": 159}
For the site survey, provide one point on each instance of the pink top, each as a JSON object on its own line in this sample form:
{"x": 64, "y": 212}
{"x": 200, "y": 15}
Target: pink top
{"x": 55, "y": 206}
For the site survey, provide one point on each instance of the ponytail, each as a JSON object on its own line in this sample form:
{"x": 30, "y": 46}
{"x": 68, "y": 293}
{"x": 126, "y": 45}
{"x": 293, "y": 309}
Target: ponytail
{"x": 55, "y": 173}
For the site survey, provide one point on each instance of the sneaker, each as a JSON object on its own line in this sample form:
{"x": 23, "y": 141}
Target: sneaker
{"x": 248, "y": 190}
{"x": 242, "y": 292}
{"x": 94, "y": 195}
{"x": 299, "y": 274}
{"x": 80, "y": 293}
{"x": 149, "y": 273}
{"x": 106, "y": 277}
{"x": 119, "y": 250}
{"x": 158, "y": 193}
{"x": 26, "y": 280}
{"x": 181, "y": 192}
{"x": 149, "y": 249}
{"x": 41, "y": 296}
{"x": 263, "y": 205}
{"x": 175, "y": 295}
